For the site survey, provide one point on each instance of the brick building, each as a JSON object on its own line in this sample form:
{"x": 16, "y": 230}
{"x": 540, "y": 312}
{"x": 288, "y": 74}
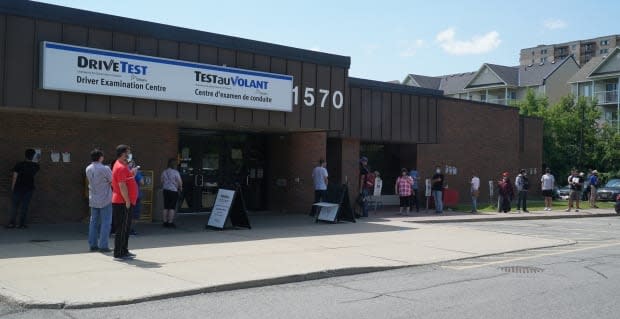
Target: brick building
{"x": 270, "y": 149}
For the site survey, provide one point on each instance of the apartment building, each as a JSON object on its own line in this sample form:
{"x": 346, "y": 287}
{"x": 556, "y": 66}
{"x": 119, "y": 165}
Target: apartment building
{"x": 582, "y": 50}
{"x": 501, "y": 84}
{"x": 599, "y": 79}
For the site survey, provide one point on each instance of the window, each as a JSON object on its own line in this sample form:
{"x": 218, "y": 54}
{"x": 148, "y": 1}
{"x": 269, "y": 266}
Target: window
{"x": 483, "y": 97}
{"x": 586, "y": 90}
{"x": 533, "y": 52}
{"x": 604, "y": 42}
{"x": 543, "y": 59}
{"x": 544, "y": 51}
{"x": 604, "y": 51}
{"x": 573, "y": 47}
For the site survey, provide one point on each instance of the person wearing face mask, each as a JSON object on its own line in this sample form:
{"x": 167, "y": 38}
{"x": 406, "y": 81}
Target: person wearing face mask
{"x": 124, "y": 197}
{"x": 523, "y": 184}
{"x": 403, "y": 188}
{"x": 437, "y": 182}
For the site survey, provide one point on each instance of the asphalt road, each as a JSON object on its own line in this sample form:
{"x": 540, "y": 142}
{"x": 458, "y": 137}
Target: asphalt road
{"x": 576, "y": 281}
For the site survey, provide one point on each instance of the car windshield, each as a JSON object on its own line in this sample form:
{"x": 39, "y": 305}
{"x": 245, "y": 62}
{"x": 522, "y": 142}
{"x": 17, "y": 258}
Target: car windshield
{"x": 613, "y": 183}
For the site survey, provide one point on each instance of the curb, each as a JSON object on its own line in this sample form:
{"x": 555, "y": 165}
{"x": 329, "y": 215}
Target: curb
{"x": 505, "y": 218}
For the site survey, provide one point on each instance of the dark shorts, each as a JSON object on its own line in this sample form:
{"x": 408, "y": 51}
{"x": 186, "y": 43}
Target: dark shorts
{"x": 170, "y": 199}
{"x": 547, "y": 193}
{"x": 405, "y": 201}
{"x": 575, "y": 194}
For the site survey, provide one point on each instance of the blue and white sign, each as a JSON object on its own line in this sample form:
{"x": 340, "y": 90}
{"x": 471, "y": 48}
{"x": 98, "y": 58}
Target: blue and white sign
{"x": 87, "y": 70}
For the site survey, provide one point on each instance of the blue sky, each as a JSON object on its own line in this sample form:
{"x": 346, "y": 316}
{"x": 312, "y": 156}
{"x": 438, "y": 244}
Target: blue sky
{"x": 386, "y": 40}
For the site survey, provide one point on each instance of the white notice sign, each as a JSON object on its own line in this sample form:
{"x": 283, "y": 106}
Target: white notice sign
{"x": 328, "y": 211}
{"x": 87, "y": 70}
{"x": 221, "y": 208}
{"x": 378, "y": 187}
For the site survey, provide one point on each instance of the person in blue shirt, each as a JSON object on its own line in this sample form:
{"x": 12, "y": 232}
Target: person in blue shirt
{"x": 593, "y": 186}
{"x": 138, "y": 207}
{"x": 414, "y": 197}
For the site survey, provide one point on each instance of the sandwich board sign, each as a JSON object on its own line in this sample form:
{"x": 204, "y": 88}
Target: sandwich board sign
{"x": 229, "y": 206}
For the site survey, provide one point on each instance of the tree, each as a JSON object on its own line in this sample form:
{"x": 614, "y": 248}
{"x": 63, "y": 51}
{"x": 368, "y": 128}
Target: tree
{"x": 570, "y": 132}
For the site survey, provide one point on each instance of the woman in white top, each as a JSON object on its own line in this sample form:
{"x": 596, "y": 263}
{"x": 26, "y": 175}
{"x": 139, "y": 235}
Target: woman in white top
{"x": 172, "y": 185}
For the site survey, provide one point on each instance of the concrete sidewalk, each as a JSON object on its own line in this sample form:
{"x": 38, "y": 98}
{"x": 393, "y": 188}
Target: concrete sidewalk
{"x": 49, "y": 266}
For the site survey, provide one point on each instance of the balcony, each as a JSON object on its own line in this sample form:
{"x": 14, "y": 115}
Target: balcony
{"x": 606, "y": 97}
{"x": 502, "y": 101}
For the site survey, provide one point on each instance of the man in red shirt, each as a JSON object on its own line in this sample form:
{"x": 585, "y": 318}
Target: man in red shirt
{"x": 124, "y": 197}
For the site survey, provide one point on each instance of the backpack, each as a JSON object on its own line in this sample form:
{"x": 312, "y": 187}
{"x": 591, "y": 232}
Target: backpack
{"x": 370, "y": 180}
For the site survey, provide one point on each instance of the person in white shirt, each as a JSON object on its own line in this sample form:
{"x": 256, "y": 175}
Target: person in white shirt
{"x": 547, "y": 182}
{"x": 319, "y": 176}
{"x": 172, "y": 186}
{"x": 475, "y": 192}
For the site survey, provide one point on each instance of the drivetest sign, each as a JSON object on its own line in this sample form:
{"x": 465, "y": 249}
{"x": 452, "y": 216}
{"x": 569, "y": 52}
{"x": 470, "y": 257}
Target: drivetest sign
{"x": 87, "y": 70}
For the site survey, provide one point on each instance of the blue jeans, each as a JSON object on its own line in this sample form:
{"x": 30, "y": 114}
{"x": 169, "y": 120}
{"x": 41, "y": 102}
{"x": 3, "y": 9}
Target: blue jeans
{"x": 474, "y": 203}
{"x": 99, "y": 227}
{"x": 438, "y": 201}
{"x": 20, "y": 199}
{"x": 365, "y": 194}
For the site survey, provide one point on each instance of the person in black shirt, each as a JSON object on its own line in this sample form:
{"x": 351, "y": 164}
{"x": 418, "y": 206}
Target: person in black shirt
{"x": 22, "y": 187}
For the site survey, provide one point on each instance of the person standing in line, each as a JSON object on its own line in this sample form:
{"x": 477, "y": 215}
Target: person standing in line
{"x": 575, "y": 182}
{"x": 404, "y": 187}
{"x": 593, "y": 187}
{"x": 319, "y": 177}
{"x": 135, "y": 216}
{"x": 475, "y": 192}
{"x": 506, "y": 191}
{"x": 437, "y": 182}
{"x": 124, "y": 196}
{"x": 22, "y": 188}
{"x": 367, "y": 185}
{"x": 547, "y": 182}
{"x": 100, "y": 201}
{"x": 415, "y": 197}
{"x": 523, "y": 184}
{"x": 172, "y": 185}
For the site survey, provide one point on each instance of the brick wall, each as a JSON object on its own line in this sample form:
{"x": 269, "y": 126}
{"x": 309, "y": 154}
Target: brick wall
{"x": 481, "y": 138}
{"x": 292, "y": 158}
{"x": 60, "y": 194}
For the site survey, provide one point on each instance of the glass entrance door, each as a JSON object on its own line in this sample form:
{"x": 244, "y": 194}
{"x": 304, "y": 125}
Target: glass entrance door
{"x": 213, "y": 160}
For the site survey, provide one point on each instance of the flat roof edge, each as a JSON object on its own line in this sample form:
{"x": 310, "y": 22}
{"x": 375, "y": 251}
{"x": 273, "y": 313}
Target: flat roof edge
{"x": 392, "y": 87}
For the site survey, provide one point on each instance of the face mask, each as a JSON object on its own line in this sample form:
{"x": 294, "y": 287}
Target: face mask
{"x": 438, "y": 171}
{"x": 129, "y": 157}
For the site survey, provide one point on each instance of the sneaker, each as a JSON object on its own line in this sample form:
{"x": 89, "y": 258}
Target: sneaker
{"x": 93, "y": 249}
{"x": 518, "y": 211}
{"x": 567, "y": 210}
{"x": 165, "y": 224}
{"x": 526, "y": 211}
{"x": 105, "y": 250}
{"x": 172, "y": 225}
{"x": 577, "y": 210}
{"x": 123, "y": 258}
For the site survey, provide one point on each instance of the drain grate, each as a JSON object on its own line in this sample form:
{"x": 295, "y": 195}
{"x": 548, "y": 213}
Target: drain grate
{"x": 521, "y": 269}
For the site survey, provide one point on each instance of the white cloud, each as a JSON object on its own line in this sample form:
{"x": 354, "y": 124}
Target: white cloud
{"x": 476, "y": 45}
{"x": 554, "y": 24}
{"x": 411, "y": 48}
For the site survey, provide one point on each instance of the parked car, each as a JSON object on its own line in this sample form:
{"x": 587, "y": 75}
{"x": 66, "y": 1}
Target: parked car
{"x": 610, "y": 191}
{"x": 618, "y": 204}
{"x": 563, "y": 192}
